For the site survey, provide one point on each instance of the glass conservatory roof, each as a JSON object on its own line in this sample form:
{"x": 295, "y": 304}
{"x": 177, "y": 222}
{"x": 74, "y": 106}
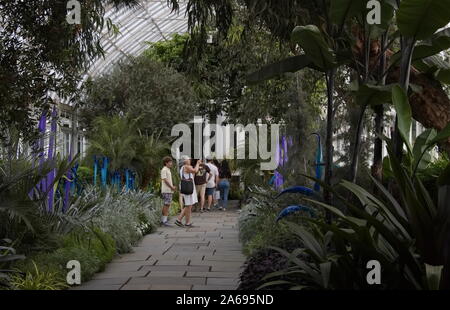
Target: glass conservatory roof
{"x": 151, "y": 21}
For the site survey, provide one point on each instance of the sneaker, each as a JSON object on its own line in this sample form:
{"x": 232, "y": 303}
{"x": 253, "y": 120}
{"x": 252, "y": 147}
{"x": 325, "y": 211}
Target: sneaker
{"x": 208, "y": 210}
{"x": 178, "y": 223}
{"x": 166, "y": 224}
{"x": 189, "y": 225}
{"x": 201, "y": 210}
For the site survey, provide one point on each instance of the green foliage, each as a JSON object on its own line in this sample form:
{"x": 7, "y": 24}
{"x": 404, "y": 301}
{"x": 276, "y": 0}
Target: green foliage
{"x": 257, "y": 226}
{"x": 55, "y": 262}
{"x": 169, "y": 52}
{"x": 236, "y": 193}
{"x": 7, "y": 257}
{"x": 120, "y": 139}
{"x": 151, "y": 94}
{"x": 96, "y": 241}
{"x": 41, "y": 54}
{"x": 126, "y": 216}
{"x": 407, "y": 233}
{"x": 404, "y": 114}
{"x": 420, "y": 19}
{"x": 26, "y": 220}
{"x": 38, "y": 280}
{"x": 175, "y": 208}
{"x": 311, "y": 39}
{"x": 85, "y": 174}
{"x": 115, "y": 223}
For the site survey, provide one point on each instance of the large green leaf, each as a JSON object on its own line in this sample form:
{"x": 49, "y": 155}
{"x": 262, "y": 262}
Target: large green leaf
{"x": 421, "y": 144}
{"x": 437, "y": 43}
{"x": 420, "y": 19}
{"x": 442, "y": 135}
{"x": 436, "y": 66}
{"x": 341, "y": 10}
{"x": 404, "y": 114}
{"x": 316, "y": 48}
{"x": 291, "y": 64}
{"x": 372, "y": 95}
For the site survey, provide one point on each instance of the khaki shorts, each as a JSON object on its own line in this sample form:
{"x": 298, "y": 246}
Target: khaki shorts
{"x": 201, "y": 189}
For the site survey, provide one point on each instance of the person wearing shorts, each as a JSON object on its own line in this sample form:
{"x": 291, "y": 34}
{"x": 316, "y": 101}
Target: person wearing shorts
{"x": 167, "y": 189}
{"x": 212, "y": 182}
{"x": 200, "y": 180}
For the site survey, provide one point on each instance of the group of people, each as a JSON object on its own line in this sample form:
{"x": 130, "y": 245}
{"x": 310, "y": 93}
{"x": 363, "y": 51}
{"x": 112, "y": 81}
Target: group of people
{"x": 207, "y": 178}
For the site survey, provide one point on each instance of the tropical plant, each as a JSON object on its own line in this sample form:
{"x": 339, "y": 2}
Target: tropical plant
{"x": 42, "y": 54}
{"x": 114, "y": 138}
{"x": 38, "y": 280}
{"x": 150, "y": 149}
{"x": 407, "y": 232}
{"x": 7, "y": 256}
{"x": 127, "y": 147}
{"x": 258, "y": 225}
{"x": 335, "y": 36}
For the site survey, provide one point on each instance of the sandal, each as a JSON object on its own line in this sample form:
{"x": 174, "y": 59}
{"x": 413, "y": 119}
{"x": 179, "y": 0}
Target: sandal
{"x": 178, "y": 223}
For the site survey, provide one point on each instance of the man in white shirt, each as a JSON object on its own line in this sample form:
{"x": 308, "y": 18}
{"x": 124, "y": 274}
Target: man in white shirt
{"x": 213, "y": 179}
{"x": 167, "y": 188}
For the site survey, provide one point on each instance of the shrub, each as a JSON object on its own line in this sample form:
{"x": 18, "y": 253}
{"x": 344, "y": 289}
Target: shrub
{"x": 85, "y": 175}
{"x": 175, "y": 208}
{"x": 258, "y": 228}
{"x": 259, "y": 265}
{"x": 101, "y": 244}
{"x": 127, "y": 216}
{"x": 7, "y": 256}
{"x": 56, "y": 261}
{"x": 38, "y": 280}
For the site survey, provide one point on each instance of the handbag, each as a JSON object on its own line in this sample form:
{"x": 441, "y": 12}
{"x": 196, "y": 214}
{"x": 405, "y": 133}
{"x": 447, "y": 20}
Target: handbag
{"x": 186, "y": 186}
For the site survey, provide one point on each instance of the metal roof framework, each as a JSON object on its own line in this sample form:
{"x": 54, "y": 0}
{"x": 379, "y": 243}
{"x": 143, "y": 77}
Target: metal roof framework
{"x": 151, "y": 21}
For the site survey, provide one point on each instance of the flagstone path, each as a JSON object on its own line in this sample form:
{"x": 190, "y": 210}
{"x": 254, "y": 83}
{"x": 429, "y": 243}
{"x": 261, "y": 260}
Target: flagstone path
{"x": 205, "y": 257}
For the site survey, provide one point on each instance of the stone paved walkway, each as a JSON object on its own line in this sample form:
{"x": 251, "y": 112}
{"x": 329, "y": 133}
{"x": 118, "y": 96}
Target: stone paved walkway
{"x": 205, "y": 257}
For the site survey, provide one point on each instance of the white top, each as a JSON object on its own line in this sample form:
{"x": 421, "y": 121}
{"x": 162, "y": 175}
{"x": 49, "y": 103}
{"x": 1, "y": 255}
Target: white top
{"x": 166, "y": 174}
{"x": 214, "y": 172}
{"x": 191, "y": 199}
